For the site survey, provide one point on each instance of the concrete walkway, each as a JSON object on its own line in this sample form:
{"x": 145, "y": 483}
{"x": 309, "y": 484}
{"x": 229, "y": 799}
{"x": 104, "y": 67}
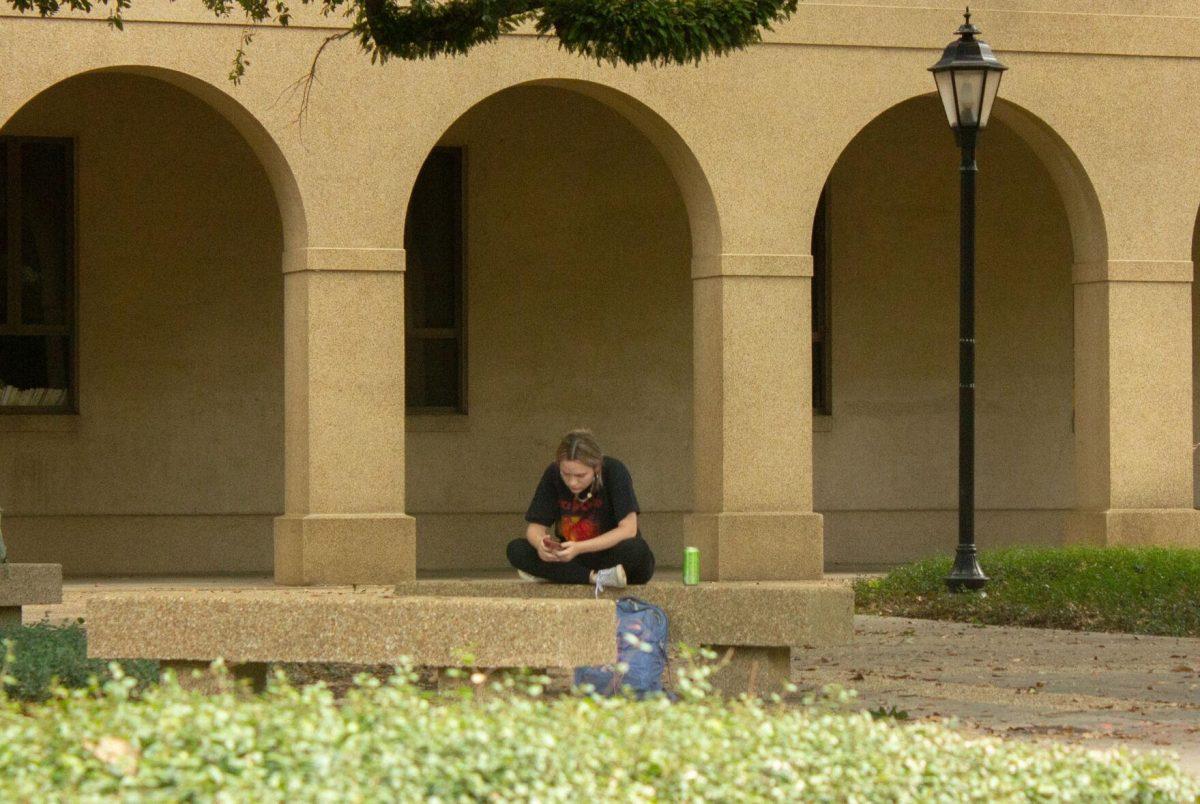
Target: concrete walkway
{"x": 1090, "y": 689}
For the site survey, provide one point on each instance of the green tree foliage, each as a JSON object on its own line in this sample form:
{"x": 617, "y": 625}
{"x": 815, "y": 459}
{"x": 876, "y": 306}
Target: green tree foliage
{"x": 632, "y": 32}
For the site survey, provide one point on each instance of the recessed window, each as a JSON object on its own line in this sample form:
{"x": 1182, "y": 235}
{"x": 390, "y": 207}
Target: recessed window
{"x": 435, "y": 344}
{"x": 821, "y": 373}
{"x": 37, "y": 294}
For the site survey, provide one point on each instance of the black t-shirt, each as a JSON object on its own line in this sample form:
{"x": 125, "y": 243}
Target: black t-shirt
{"x": 554, "y": 504}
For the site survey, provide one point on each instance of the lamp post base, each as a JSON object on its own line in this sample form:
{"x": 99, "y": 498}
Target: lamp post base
{"x": 966, "y": 574}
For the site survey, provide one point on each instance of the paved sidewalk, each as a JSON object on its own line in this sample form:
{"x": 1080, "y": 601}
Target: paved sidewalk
{"x": 1091, "y": 689}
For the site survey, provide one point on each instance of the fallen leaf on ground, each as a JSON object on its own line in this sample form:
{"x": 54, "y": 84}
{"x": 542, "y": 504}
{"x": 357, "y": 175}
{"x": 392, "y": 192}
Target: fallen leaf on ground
{"x": 115, "y": 751}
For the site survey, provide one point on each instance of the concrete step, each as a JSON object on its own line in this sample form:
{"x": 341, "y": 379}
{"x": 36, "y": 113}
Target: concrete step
{"x": 746, "y": 613}
{"x": 302, "y": 625}
{"x": 752, "y": 625}
{"x": 27, "y": 584}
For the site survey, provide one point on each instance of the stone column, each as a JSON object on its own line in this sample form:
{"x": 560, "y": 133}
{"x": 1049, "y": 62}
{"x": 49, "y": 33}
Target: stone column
{"x": 1133, "y": 405}
{"x": 752, "y": 353}
{"x": 344, "y": 520}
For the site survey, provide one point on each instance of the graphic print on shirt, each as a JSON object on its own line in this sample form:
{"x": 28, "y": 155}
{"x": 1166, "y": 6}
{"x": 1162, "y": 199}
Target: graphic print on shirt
{"x": 579, "y": 521}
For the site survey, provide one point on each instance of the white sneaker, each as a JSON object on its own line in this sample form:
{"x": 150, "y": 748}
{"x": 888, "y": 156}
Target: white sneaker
{"x": 611, "y": 578}
{"x": 525, "y": 576}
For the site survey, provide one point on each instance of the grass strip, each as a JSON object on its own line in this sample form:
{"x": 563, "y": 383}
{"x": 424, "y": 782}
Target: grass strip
{"x": 1144, "y": 590}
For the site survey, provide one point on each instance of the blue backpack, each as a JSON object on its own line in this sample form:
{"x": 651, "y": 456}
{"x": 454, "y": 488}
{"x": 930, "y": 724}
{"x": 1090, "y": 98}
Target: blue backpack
{"x": 648, "y": 623}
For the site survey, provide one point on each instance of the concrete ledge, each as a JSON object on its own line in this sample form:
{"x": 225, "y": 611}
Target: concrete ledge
{"x": 753, "y": 265}
{"x": 29, "y": 584}
{"x": 1083, "y": 273}
{"x": 318, "y": 258}
{"x": 728, "y": 613}
{"x": 303, "y": 626}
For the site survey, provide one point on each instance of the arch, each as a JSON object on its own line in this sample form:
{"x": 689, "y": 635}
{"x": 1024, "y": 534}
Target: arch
{"x": 698, "y": 198}
{"x": 177, "y": 341}
{"x": 1085, "y": 215}
{"x": 573, "y": 213}
{"x": 1089, "y": 236}
{"x": 893, "y": 270}
{"x": 262, "y": 143}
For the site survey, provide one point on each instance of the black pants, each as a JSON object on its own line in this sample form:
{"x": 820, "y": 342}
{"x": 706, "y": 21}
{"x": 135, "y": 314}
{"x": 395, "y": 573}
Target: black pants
{"x": 633, "y": 554}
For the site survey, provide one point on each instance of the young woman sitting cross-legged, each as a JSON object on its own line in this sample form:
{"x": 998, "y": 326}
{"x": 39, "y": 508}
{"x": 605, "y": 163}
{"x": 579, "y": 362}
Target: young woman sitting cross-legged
{"x": 583, "y": 522}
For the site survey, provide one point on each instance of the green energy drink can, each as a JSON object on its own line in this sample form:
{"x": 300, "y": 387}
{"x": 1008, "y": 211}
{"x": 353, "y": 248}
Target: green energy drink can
{"x": 691, "y": 566}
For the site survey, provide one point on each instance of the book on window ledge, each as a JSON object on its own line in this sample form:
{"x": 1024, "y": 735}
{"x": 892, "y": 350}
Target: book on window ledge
{"x": 10, "y": 396}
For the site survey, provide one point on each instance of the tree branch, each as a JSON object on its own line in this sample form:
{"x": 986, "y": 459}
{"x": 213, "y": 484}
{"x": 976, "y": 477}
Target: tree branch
{"x": 306, "y": 81}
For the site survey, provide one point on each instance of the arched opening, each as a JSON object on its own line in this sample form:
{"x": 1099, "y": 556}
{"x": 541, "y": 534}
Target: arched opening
{"x": 172, "y": 462}
{"x": 579, "y": 229}
{"x": 885, "y": 458}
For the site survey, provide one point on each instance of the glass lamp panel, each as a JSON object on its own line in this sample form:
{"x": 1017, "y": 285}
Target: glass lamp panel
{"x": 945, "y": 87}
{"x": 969, "y": 86}
{"x": 989, "y": 95}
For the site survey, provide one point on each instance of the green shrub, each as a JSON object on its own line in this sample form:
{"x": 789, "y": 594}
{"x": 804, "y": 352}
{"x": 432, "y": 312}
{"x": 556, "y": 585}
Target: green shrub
{"x": 42, "y": 653}
{"x": 1134, "y": 590}
{"x": 387, "y": 741}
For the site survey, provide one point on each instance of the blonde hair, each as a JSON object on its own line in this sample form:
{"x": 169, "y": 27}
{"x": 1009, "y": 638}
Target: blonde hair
{"x": 580, "y": 445}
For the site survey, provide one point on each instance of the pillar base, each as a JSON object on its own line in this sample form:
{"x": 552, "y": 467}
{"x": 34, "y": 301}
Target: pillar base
{"x": 755, "y": 671}
{"x": 197, "y": 677}
{"x": 336, "y": 550}
{"x": 758, "y": 547}
{"x": 1132, "y": 527}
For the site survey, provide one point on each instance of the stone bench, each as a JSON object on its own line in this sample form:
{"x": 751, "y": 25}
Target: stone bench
{"x": 251, "y": 628}
{"x": 755, "y": 623}
{"x": 27, "y": 585}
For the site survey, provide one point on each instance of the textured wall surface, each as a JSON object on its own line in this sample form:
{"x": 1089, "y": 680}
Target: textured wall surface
{"x": 585, "y": 213}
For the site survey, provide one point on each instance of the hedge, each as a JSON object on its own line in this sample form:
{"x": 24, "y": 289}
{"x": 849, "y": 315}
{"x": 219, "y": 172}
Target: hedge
{"x": 390, "y": 741}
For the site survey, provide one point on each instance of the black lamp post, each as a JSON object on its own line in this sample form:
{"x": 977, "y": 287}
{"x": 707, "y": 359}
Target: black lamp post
{"x": 967, "y": 77}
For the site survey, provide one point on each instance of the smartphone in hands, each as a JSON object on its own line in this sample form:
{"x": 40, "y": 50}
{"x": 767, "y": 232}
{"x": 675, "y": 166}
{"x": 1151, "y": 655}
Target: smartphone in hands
{"x": 552, "y": 544}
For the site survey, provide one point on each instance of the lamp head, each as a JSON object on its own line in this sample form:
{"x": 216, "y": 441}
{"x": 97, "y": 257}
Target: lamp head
{"x": 967, "y": 77}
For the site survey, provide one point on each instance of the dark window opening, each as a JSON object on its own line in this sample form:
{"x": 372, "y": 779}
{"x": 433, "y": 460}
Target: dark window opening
{"x": 37, "y": 283}
{"x": 821, "y": 373}
{"x": 435, "y": 331}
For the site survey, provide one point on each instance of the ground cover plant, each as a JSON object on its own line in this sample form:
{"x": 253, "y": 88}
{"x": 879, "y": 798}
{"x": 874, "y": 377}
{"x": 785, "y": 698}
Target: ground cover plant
{"x": 389, "y": 741}
{"x": 1150, "y": 590}
{"x": 43, "y": 655}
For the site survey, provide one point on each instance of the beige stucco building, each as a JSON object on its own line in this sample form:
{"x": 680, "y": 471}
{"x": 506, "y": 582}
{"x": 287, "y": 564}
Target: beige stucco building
{"x": 636, "y": 255}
